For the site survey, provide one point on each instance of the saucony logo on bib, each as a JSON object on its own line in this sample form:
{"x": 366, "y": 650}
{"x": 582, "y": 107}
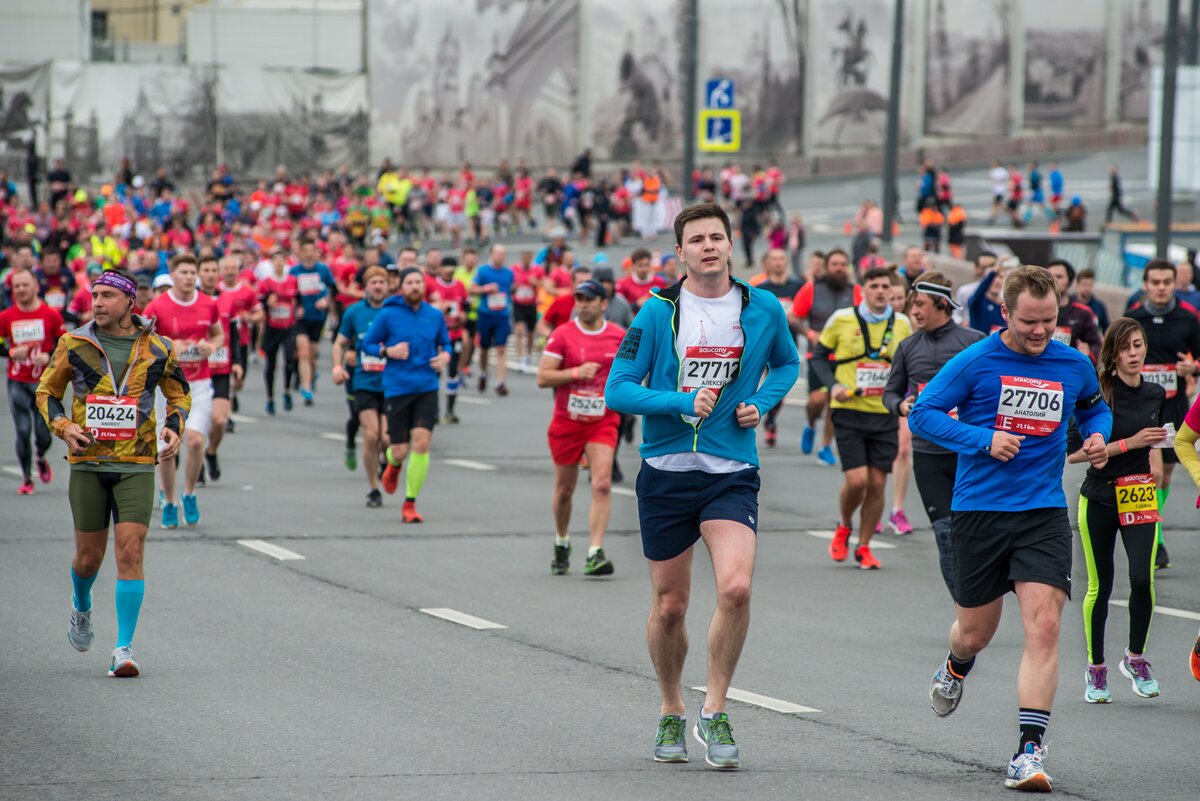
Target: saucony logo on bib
{"x": 1030, "y": 382}
{"x": 719, "y": 353}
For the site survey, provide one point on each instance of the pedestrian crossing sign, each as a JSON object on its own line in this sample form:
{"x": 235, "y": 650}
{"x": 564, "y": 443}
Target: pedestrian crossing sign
{"x": 720, "y": 130}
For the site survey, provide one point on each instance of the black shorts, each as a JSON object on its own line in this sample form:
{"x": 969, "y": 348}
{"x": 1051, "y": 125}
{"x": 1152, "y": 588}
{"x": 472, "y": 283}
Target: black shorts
{"x": 311, "y": 329}
{"x": 221, "y": 386}
{"x": 671, "y": 506}
{"x": 364, "y": 400}
{"x": 469, "y": 326}
{"x": 1013, "y": 204}
{"x": 994, "y": 550}
{"x": 525, "y": 315}
{"x": 406, "y": 412}
{"x": 865, "y": 439}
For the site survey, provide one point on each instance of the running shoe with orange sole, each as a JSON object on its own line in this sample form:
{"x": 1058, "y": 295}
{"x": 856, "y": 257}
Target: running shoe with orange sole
{"x": 866, "y": 560}
{"x": 409, "y": 513}
{"x": 839, "y": 549}
{"x": 390, "y": 478}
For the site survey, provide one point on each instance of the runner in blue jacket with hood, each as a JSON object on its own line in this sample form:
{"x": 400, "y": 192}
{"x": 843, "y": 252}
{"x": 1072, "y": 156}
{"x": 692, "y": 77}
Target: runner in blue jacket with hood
{"x": 704, "y": 344}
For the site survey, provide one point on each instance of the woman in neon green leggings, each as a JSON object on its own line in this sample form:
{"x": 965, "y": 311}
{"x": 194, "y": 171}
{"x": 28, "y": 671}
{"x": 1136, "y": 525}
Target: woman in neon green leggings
{"x": 1121, "y": 497}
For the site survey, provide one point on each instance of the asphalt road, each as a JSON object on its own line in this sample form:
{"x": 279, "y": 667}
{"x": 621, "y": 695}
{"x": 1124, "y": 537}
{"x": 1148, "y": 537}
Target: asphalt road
{"x": 321, "y": 677}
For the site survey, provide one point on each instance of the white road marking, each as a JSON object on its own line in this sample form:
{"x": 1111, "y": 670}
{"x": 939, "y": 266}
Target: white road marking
{"x": 332, "y": 436}
{"x": 766, "y": 702}
{"x": 282, "y": 554}
{"x": 875, "y": 543}
{"x": 469, "y": 464}
{"x": 624, "y": 491}
{"x": 474, "y": 401}
{"x": 1165, "y": 610}
{"x": 463, "y": 619}
{"x": 16, "y": 471}
{"x": 241, "y": 418}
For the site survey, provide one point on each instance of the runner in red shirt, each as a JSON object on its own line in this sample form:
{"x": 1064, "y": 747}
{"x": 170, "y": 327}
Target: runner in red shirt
{"x": 528, "y": 278}
{"x": 451, "y": 296}
{"x": 190, "y": 320}
{"x": 576, "y": 362}
{"x": 636, "y": 286}
{"x": 238, "y": 302}
{"x": 29, "y": 331}
{"x": 279, "y": 293}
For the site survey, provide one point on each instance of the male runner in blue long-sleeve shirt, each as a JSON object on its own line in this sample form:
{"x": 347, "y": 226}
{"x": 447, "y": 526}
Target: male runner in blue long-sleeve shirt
{"x": 1014, "y": 392}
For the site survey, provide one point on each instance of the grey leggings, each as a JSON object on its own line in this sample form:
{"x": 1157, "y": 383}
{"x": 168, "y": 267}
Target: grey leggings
{"x": 22, "y": 402}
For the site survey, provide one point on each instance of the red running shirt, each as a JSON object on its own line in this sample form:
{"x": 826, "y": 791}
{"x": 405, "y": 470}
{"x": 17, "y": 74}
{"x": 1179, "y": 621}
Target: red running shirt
{"x": 281, "y": 313}
{"x": 582, "y": 400}
{"x": 38, "y": 330}
{"x": 187, "y": 324}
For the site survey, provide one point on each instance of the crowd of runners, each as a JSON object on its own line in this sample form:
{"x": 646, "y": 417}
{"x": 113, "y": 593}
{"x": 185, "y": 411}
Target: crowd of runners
{"x": 980, "y": 393}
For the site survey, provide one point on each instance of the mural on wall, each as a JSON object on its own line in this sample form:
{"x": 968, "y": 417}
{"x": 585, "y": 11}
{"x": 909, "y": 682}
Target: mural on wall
{"x": 1064, "y": 63}
{"x": 1143, "y": 25}
{"x": 761, "y": 47}
{"x": 270, "y": 117}
{"x": 474, "y": 80}
{"x": 634, "y": 62}
{"x": 850, "y": 59}
{"x": 967, "y": 74}
{"x": 24, "y": 94}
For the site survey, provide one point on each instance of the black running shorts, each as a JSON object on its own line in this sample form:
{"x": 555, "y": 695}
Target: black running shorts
{"x": 994, "y": 550}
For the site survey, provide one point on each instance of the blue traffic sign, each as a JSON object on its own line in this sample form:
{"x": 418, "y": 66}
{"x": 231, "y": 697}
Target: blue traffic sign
{"x": 718, "y": 93}
{"x": 719, "y": 131}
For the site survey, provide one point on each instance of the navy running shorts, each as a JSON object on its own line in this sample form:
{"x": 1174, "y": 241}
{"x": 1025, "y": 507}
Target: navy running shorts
{"x": 493, "y": 330}
{"x": 671, "y": 506}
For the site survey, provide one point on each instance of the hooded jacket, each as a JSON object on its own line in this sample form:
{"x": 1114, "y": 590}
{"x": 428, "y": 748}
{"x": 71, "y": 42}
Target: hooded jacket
{"x": 649, "y": 351}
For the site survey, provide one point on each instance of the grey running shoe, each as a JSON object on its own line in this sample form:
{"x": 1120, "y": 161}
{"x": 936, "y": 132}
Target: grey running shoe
{"x": 1025, "y": 772}
{"x": 123, "y": 665}
{"x": 80, "y": 634}
{"x": 945, "y": 691}
{"x": 716, "y": 735}
{"x": 671, "y": 743}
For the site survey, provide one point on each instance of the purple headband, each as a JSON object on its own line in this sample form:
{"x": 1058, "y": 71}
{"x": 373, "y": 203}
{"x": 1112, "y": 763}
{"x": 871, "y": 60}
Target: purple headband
{"x": 117, "y": 281}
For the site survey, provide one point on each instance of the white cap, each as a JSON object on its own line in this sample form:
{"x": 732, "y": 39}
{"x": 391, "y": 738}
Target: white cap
{"x": 163, "y": 280}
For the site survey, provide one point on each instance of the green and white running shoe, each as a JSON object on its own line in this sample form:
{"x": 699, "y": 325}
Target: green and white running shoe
{"x": 598, "y": 565}
{"x": 716, "y": 735}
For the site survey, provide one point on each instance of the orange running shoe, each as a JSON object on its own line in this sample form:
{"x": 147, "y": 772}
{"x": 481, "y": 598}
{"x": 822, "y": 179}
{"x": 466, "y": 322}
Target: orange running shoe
{"x": 390, "y": 478}
{"x": 839, "y": 548}
{"x": 1195, "y": 660}
{"x": 409, "y": 512}
{"x": 866, "y": 560}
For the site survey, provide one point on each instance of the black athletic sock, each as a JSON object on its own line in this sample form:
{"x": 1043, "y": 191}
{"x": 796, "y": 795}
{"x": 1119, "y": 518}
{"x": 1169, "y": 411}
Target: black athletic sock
{"x": 450, "y": 399}
{"x": 352, "y": 425}
{"x": 1033, "y": 727}
{"x": 959, "y": 669}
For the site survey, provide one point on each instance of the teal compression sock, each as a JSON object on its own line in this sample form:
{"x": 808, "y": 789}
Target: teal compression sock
{"x": 83, "y": 590}
{"x": 129, "y": 605}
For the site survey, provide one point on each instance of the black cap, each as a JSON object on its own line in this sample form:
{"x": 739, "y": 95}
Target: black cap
{"x": 603, "y": 273}
{"x": 143, "y": 281}
{"x": 591, "y": 289}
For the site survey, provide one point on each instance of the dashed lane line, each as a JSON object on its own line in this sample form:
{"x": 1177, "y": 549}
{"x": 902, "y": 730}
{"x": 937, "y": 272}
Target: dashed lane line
{"x": 462, "y": 618}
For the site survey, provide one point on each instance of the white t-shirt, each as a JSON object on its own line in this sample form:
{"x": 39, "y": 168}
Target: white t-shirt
{"x": 709, "y": 345}
{"x": 999, "y": 177}
{"x": 963, "y": 296}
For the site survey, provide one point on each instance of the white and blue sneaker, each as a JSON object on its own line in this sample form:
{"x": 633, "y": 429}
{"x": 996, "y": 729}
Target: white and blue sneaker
{"x": 191, "y": 510}
{"x": 80, "y": 633}
{"x": 825, "y": 457}
{"x": 1026, "y": 772}
{"x": 1137, "y": 670}
{"x": 123, "y": 665}
{"x": 170, "y": 515}
{"x": 1096, "y": 691}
